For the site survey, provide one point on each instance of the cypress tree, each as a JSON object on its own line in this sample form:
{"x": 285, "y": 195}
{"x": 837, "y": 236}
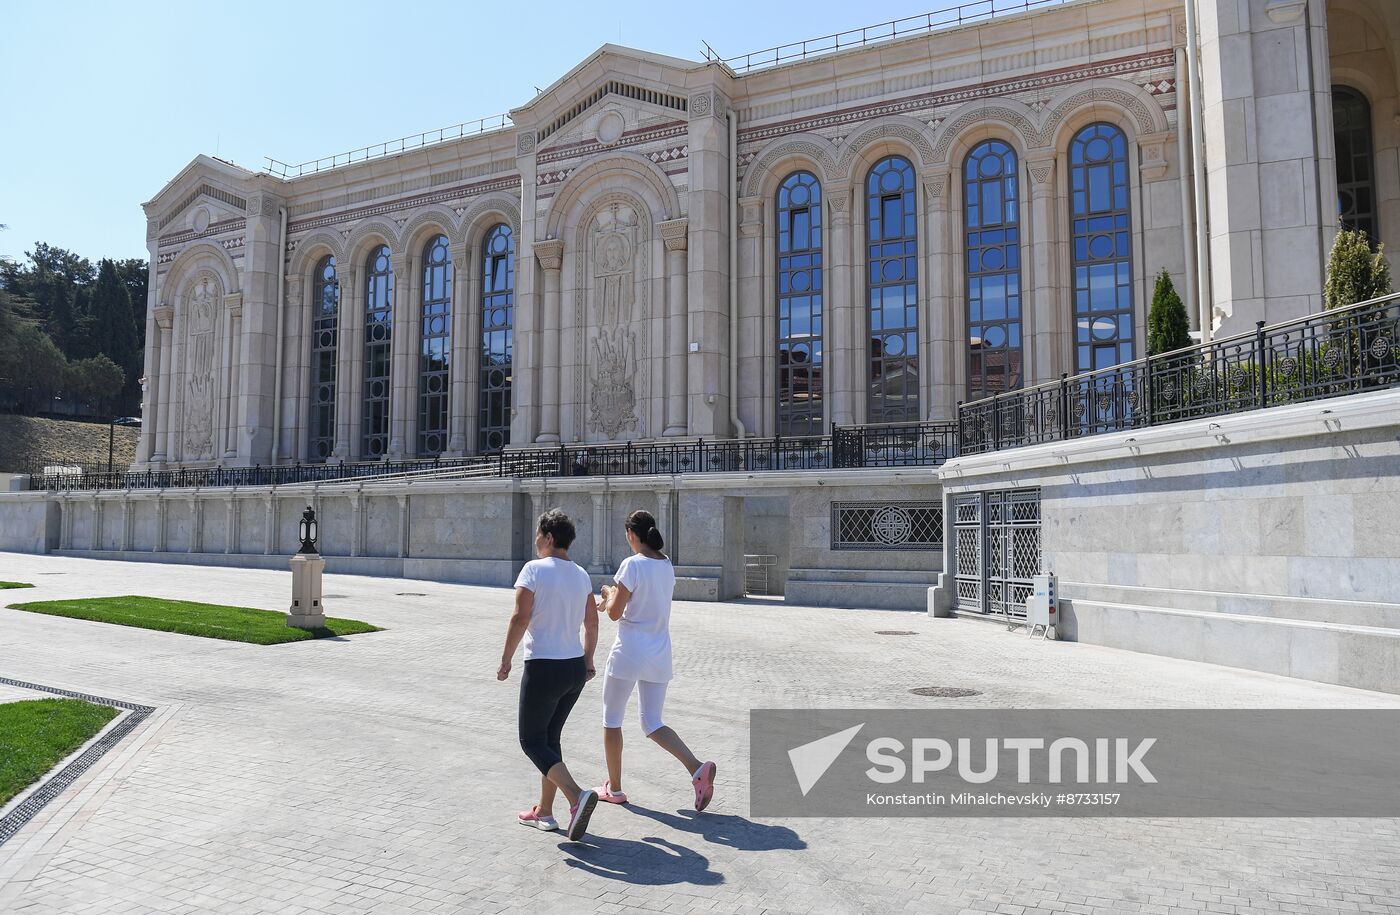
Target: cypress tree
{"x": 1355, "y": 273}
{"x": 113, "y": 332}
{"x": 1167, "y": 325}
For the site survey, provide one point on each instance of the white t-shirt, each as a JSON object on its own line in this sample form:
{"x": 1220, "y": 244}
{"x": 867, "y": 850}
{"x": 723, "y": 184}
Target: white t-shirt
{"x": 642, "y": 650}
{"x": 561, "y": 590}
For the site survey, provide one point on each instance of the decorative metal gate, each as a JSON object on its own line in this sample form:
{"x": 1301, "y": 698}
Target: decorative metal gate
{"x": 997, "y": 550}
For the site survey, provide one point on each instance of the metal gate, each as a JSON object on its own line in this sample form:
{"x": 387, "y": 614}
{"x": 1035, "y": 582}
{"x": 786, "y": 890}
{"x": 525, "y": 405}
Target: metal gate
{"x": 997, "y": 551}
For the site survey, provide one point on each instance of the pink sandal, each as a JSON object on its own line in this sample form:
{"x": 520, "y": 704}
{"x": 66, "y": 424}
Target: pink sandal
{"x": 605, "y": 793}
{"x": 704, "y": 783}
{"x": 532, "y": 817}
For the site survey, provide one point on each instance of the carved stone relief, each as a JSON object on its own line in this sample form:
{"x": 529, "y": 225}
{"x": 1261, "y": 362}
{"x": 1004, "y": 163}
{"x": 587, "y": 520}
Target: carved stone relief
{"x": 201, "y": 318}
{"x": 612, "y": 249}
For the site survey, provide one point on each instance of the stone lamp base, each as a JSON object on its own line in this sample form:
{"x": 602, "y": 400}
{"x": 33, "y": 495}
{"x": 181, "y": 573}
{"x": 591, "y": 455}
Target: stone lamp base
{"x": 306, "y": 611}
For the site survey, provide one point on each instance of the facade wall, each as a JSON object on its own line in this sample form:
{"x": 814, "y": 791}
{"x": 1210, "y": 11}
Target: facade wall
{"x": 1264, "y": 540}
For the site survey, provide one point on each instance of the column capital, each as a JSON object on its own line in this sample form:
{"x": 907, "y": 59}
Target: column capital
{"x": 165, "y": 315}
{"x": 839, "y": 197}
{"x": 234, "y": 303}
{"x": 1152, "y": 153}
{"x": 1042, "y": 168}
{"x": 674, "y": 233}
{"x": 936, "y": 185}
{"x": 750, "y": 214}
{"x": 550, "y": 253}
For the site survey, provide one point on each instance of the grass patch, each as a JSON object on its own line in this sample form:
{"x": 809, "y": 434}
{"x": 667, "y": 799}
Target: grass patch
{"x": 14, "y": 584}
{"x": 210, "y": 621}
{"x": 36, "y": 734}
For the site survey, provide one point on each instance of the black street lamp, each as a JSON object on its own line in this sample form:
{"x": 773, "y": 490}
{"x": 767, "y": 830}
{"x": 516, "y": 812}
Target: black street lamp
{"x": 112, "y": 434}
{"x": 307, "y": 530}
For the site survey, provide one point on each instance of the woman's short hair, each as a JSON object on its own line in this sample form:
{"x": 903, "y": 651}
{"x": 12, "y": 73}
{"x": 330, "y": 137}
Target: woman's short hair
{"x": 554, "y": 523}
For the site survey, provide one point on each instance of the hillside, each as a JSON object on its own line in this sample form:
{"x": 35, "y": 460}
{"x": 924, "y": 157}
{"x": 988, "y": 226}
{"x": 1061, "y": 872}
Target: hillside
{"x": 26, "y": 438}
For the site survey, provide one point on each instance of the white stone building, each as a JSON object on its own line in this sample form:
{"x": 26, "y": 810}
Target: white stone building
{"x": 680, "y": 255}
{"x": 682, "y": 249}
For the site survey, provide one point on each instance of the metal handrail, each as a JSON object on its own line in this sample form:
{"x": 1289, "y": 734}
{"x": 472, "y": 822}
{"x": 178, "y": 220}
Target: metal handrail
{"x": 946, "y": 18}
{"x": 388, "y": 147}
{"x": 1194, "y": 349}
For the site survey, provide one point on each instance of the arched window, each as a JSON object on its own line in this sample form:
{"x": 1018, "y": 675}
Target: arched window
{"x": 992, "y": 220}
{"x": 497, "y": 333}
{"x": 325, "y": 337}
{"x": 379, "y": 319}
{"x": 436, "y": 350}
{"x": 1356, "y": 190}
{"x": 892, "y": 284}
{"x": 1101, "y": 229}
{"x": 800, "y": 305}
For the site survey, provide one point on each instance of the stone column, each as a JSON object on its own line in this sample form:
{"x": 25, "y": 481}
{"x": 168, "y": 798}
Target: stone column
{"x": 162, "y": 515}
{"x": 551, "y": 258}
{"x": 403, "y": 524}
{"x": 461, "y": 411}
{"x": 233, "y": 305}
{"x": 231, "y": 525}
{"x": 663, "y": 520}
{"x": 296, "y": 383}
{"x": 357, "y": 523}
{"x": 941, "y": 352}
{"x": 255, "y": 347}
{"x": 349, "y": 357}
{"x": 150, "y": 365}
{"x": 402, "y": 409}
{"x": 673, "y": 235}
{"x": 95, "y": 535}
{"x": 164, "y": 317}
{"x": 707, "y": 260}
{"x": 196, "y": 544}
{"x": 1270, "y": 171}
{"x": 757, "y": 331}
{"x": 1047, "y": 319}
{"x": 842, "y": 340}
{"x": 269, "y": 525}
{"x": 599, "y": 533}
{"x": 128, "y": 523}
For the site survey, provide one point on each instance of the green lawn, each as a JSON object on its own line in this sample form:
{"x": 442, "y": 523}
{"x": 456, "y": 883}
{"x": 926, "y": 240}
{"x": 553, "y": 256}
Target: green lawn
{"x": 14, "y": 584}
{"x": 35, "y": 735}
{"x": 238, "y": 624}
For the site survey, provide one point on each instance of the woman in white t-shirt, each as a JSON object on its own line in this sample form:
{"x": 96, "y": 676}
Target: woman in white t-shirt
{"x": 641, "y": 658}
{"x": 553, "y": 601}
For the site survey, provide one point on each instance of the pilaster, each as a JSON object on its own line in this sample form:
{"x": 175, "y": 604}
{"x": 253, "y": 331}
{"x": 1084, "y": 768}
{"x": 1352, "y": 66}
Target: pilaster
{"x": 550, "y": 254}
{"x": 674, "y": 236}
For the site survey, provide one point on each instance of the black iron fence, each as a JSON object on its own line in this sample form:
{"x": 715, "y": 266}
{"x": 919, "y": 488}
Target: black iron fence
{"x": 846, "y": 447}
{"x": 1330, "y": 354}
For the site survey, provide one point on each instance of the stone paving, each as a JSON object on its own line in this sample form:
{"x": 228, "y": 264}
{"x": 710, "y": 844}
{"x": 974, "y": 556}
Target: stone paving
{"x": 381, "y": 772}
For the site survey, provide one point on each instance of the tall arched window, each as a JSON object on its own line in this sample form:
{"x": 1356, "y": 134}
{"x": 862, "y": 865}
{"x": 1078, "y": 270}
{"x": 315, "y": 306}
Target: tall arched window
{"x": 436, "y": 350}
{"x": 800, "y": 305}
{"x": 992, "y": 220}
{"x": 325, "y": 337}
{"x": 1356, "y": 190}
{"x": 1101, "y": 229}
{"x": 379, "y": 318}
{"x": 497, "y": 337}
{"x": 892, "y": 286}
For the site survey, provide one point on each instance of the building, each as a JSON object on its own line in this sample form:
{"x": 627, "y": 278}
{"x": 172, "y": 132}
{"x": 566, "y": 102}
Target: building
{"x": 655, "y": 250}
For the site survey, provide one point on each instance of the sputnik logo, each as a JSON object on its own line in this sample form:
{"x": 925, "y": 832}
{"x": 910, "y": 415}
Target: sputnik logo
{"x": 811, "y": 760}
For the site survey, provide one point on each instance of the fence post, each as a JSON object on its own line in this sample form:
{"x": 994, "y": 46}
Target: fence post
{"x": 1147, "y": 392}
{"x": 563, "y": 461}
{"x": 996, "y": 422}
{"x": 1064, "y": 405}
{"x": 627, "y": 453}
{"x": 1259, "y": 358}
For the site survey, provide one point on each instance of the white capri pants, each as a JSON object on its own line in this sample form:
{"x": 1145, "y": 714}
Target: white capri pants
{"x": 651, "y": 697}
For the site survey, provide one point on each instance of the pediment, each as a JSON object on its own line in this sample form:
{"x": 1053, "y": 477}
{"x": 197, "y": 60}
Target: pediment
{"x": 584, "y": 105}
{"x": 205, "y": 193}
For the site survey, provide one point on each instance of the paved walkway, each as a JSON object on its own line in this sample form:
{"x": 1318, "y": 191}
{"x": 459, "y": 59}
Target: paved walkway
{"x": 381, "y": 772}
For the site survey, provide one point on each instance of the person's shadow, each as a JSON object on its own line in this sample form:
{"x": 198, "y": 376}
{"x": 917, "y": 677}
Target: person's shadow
{"x": 650, "y": 862}
{"x": 725, "y": 829}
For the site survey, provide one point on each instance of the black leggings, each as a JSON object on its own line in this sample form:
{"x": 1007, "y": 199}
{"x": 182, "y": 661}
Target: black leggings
{"x": 548, "y": 691}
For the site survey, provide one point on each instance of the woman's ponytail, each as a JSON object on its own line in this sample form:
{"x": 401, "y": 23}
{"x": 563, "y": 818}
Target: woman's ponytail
{"x": 643, "y": 525}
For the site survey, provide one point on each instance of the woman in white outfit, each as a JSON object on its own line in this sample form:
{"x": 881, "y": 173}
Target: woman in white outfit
{"x": 641, "y": 658}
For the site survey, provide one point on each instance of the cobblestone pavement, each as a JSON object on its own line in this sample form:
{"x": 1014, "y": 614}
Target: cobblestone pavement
{"x": 381, "y": 772}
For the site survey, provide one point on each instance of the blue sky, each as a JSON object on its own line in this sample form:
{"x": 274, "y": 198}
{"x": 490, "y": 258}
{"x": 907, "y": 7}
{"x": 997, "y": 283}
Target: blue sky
{"x": 105, "y": 102}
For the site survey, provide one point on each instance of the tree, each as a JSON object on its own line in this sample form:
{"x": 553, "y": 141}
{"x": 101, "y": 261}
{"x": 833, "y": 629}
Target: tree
{"x": 96, "y": 381}
{"x": 135, "y": 274}
{"x": 1167, "y": 325}
{"x": 1355, "y": 273}
{"x": 113, "y": 331}
{"x": 32, "y": 368}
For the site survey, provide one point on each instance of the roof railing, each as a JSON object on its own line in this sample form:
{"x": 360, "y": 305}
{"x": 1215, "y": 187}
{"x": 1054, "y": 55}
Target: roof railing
{"x": 945, "y": 18}
{"x": 388, "y": 147}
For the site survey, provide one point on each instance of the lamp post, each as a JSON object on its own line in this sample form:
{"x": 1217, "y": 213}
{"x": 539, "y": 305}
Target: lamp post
{"x": 112, "y": 434}
{"x": 307, "y": 611}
